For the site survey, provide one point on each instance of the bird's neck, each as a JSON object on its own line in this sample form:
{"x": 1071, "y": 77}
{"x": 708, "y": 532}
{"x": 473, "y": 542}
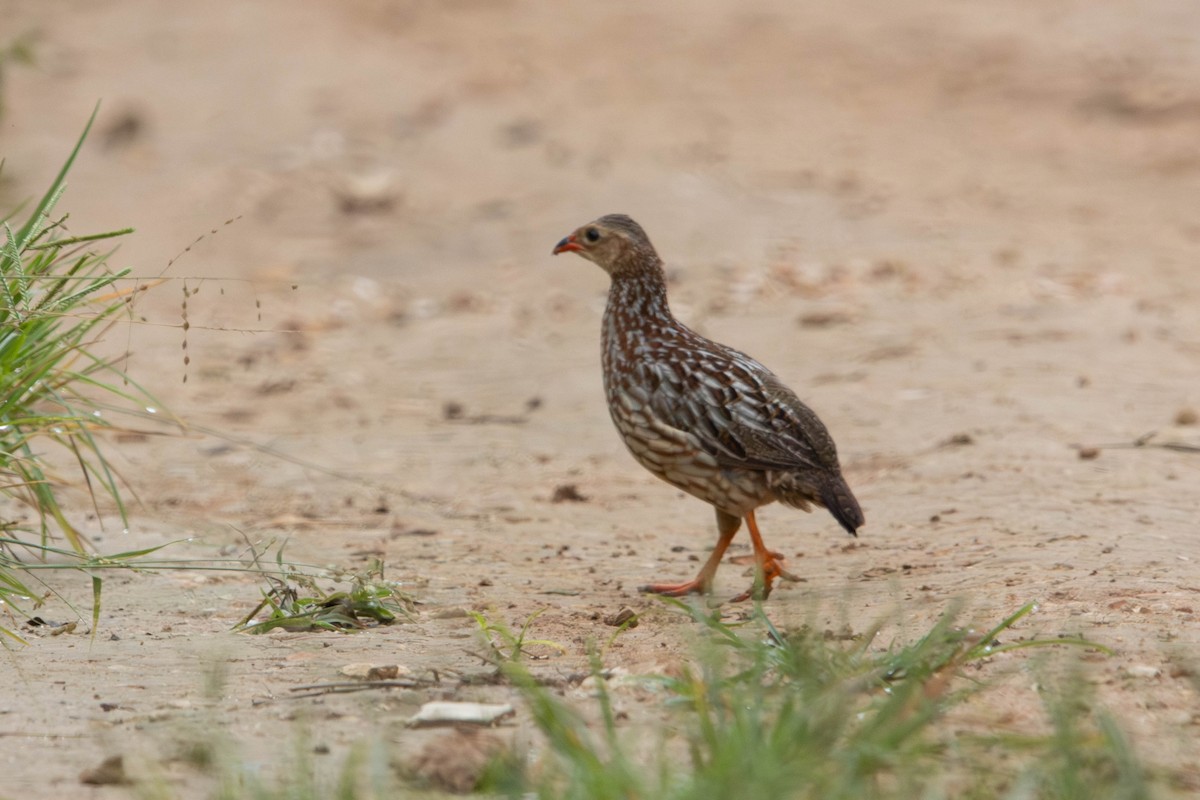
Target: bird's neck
{"x": 637, "y": 315}
{"x": 639, "y": 298}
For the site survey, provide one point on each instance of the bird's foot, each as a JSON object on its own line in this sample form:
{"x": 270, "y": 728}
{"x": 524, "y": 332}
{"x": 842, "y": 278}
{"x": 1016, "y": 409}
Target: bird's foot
{"x": 697, "y": 586}
{"x": 769, "y": 571}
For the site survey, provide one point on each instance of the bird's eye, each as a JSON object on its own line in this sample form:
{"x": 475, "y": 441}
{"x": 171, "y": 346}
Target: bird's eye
{"x": 592, "y": 235}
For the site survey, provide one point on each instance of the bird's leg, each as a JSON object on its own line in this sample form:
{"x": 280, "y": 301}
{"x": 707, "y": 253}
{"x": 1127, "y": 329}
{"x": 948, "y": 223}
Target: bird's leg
{"x": 727, "y": 526}
{"x": 766, "y": 566}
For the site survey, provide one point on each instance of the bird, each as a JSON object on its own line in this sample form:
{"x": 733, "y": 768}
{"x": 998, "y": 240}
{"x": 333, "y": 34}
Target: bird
{"x": 704, "y": 417}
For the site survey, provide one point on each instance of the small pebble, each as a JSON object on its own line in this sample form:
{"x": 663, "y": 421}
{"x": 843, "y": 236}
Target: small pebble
{"x": 457, "y": 761}
{"x": 567, "y": 493}
{"x": 110, "y": 772}
{"x": 1143, "y": 671}
{"x": 626, "y": 614}
{"x": 957, "y": 440}
{"x": 441, "y": 712}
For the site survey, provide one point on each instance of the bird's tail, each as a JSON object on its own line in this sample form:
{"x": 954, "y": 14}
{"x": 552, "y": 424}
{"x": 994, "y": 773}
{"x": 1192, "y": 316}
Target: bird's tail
{"x": 837, "y": 497}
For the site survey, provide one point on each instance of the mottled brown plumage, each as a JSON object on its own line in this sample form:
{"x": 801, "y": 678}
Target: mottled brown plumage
{"x": 702, "y": 416}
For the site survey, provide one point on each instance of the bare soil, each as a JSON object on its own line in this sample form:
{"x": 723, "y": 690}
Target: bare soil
{"x": 966, "y": 234}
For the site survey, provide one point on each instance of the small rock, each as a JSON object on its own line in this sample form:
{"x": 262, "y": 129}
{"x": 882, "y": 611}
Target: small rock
{"x": 1142, "y": 671}
{"x": 957, "y": 440}
{"x": 824, "y": 319}
{"x": 449, "y": 713}
{"x": 123, "y": 131}
{"x": 567, "y": 493}
{"x": 366, "y": 194}
{"x": 401, "y": 529}
{"x": 1187, "y": 416}
{"x": 456, "y": 761}
{"x": 1181, "y": 671}
{"x": 373, "y": 672}
{"x": 110, "y": 772}
{"x": 1089, "y": 453}
{"x": 385, "y": 672}
{"x": 626, "y": 614}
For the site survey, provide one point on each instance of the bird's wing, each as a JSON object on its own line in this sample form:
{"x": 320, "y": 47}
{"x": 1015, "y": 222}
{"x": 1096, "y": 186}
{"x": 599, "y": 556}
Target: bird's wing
{"x": 738, "y": 410}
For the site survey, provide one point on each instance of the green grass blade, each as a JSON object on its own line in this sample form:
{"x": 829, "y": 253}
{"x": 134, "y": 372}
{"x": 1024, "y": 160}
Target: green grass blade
{"x": 56, "y": 188}
{"x": 93, "y": 237}
{"x": 97, "y": 586}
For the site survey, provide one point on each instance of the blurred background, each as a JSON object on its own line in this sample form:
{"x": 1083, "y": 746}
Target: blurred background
{"x": 965, "y": 233}
{"x": 397, "y": 138}
{"x": 936, "y": 217}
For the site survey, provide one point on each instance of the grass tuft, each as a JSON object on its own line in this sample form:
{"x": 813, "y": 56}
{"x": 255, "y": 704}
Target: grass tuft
{"x": 758, "y": 712}
{"x": 57, "y": 299}
{"x": 762, "y": 713}
{"x": 504, "y": 646}
{"x": 296, "y": 602}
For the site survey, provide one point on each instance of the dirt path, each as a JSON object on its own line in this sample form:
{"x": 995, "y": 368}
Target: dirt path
{"x": 968, "y": 237}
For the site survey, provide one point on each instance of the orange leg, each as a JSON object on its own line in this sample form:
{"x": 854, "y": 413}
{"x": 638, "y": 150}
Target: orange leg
{"x": 766, "y": 566}
{"x": 727, "y": 525}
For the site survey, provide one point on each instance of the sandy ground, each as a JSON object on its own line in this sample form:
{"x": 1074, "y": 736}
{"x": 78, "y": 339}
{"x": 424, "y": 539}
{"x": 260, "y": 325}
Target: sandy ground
{"x": 966, "y": 234}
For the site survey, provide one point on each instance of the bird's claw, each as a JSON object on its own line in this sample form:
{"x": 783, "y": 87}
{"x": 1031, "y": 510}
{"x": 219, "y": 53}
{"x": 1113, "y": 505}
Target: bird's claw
{"x": 764, "y": 580}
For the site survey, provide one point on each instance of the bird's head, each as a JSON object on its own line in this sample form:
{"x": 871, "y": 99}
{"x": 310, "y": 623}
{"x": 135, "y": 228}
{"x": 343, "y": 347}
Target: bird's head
{"x": 616, "y": 243}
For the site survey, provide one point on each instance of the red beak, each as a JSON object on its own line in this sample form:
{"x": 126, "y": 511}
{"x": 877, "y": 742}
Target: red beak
{"x": 568, "y": 245}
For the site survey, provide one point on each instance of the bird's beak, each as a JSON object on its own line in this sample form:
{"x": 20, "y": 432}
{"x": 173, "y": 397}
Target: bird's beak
{"x": 568, "y": 245}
